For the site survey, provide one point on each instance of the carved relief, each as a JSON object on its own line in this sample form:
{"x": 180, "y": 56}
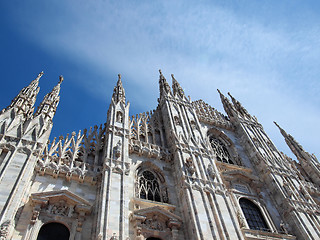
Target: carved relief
{"x": 68, "y": 206}
{"x": 283, "y": 227}
{"x": 117, "y": 149}
{"x": 242, "y": 221}
{"x": 119, "y": 117}
{"x": 190, "y": 165}
{"x": 211, "y": 172}
{"x": 60, "y": 208}
{"x": 176, "y": 120}
{"x": 155, "y": 220}
{"x": 153, "y": 224}
{"x": 4, "y": 229}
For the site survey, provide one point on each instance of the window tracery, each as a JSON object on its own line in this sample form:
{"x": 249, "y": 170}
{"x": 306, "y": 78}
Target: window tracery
{"x": 221, "y": 151}
{"x": 150, "y": 187}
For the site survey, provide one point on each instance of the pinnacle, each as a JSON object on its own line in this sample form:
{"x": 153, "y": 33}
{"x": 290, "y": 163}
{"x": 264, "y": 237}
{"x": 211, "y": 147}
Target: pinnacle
{"x": 277, "y": 124}
{"x": 176, "y": 87}
{"x": 118, "y": 91}
{"x": 283, "y": 132}
{"x": 174, "y": 81}
{"x": 61, "y": 79}
{"x": 230, "y": 95}
{"x": 233, "y": 99}
{"x": 221, "y": 94}
{"x": 161, "y": 75}
{"x": 40, "y": 75}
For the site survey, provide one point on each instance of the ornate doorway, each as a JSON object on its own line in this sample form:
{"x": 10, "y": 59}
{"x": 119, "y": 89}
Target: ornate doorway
{"x": 53, "y": 231}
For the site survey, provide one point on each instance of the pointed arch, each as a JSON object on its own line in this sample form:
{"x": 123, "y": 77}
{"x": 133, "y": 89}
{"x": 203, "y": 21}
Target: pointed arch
{"x": 150, "y": 183}
{"x": 223, "y": 147}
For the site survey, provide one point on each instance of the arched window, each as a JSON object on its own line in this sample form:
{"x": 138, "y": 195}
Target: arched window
{"x": 221, "y": 150}
{"x": 53, "y": 231}
{"x": 253, "y": 215}
{"x": 149, "y": 187}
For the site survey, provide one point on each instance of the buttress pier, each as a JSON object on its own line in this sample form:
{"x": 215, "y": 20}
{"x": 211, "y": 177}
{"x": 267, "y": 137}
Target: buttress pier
{"x": 183, "y": 171}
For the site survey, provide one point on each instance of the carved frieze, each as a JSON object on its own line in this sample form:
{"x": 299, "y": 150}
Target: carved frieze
{"x": 4, "y": 229}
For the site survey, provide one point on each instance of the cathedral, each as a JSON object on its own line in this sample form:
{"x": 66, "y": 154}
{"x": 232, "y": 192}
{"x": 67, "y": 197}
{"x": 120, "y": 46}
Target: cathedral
{"x": 183, "y": 171}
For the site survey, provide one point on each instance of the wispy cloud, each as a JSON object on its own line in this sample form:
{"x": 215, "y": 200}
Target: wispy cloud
{"x": 272, "y": 68}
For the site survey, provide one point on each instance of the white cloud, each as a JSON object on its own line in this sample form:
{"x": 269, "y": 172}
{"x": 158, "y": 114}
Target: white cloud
{"x": 206, "y": 46}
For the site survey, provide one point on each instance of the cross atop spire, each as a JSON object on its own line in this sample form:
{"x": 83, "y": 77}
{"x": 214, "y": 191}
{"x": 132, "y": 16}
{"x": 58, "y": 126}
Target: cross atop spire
{"x": 118, "y": 91}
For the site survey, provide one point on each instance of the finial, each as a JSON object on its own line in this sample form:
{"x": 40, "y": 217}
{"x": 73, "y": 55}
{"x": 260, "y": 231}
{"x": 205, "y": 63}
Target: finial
{"x": 61, "y": 79}
{"x": 276, "y": 124}
{"x": 219, "y": 92}
{"x": 231, "y": 96}
{"x": 160, "y": 71}
{"x": 40, "y": 75}
{"x": 172, "y": 76}
{"x": 282, "y": 131}
{"x": 119, "y": 77}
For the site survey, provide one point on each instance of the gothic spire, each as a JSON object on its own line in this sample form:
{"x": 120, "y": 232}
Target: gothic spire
{"x": 238, "y": 106}
{"x": 163, "y": 85}
{"x": 228, "y": 107}
{"x": 118, "y": 92}
{"x": 308, "y": 161}
{"x": 283, "y": 132}
{"x": 26, "y": 98}
{"x": 49, "y": 104}
{"x": 176, "y": 88}
{"x": 295, "y": 147}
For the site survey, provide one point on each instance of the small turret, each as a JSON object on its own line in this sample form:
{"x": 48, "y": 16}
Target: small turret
{"x": 49, "y": 104}
{"x": 163, "y": 85}
{"x": 25, "y": 100}
{"x": 118, "y": 92}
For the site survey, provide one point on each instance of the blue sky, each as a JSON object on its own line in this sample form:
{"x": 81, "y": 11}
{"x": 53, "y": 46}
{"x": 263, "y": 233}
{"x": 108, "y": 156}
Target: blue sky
{"x": 266, "y": 53}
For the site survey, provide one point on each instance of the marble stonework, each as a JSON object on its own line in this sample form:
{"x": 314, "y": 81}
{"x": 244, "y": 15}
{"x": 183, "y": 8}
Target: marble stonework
{"x": 181, "y": 171}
